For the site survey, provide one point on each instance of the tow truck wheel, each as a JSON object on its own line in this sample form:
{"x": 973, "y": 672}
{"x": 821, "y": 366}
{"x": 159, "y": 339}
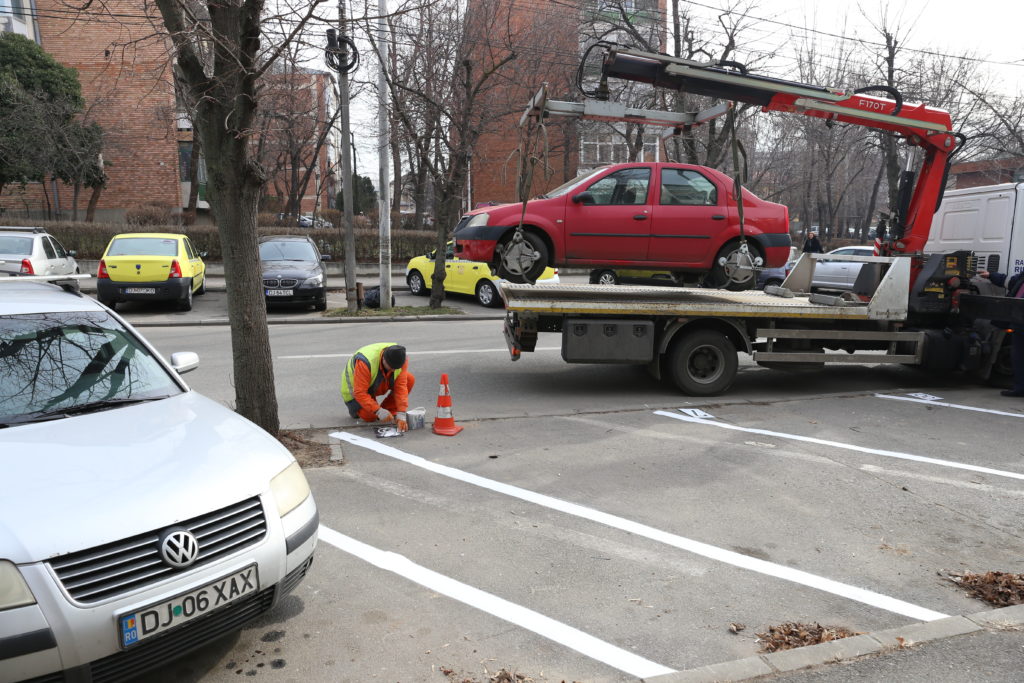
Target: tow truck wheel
{"x": 603, "y": 277}
{"x": 733, "y": 269}
{"x": 522, "y": 261}
{"x": 487, "y": 294}
{"x": 703, "y": 363}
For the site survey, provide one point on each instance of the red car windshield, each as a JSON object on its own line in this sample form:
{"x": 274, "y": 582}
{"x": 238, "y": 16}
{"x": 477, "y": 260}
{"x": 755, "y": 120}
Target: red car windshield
{"x": 575, "y": 182}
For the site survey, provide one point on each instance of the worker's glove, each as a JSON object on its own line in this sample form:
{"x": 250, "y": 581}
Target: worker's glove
{"x": 403, "y": 424}
{"x": 384, "y": 415}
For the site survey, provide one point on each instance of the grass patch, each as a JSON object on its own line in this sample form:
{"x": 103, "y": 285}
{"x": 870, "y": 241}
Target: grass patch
{"x": 395, "y": 311}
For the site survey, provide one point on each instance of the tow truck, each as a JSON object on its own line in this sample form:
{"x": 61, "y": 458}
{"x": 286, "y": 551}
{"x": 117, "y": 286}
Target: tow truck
{"x": 905, "y": 307}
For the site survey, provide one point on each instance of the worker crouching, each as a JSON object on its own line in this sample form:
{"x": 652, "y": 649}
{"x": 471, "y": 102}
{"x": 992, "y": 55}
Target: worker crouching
{"x": 378, "y": 371}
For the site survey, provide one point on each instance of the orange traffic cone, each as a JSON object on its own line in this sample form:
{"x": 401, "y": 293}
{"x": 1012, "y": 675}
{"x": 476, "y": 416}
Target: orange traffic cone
{"x": 444, "y": 423}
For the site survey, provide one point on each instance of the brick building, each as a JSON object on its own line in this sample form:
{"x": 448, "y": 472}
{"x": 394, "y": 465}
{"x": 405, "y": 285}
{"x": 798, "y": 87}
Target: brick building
{"x": 991, "y": 172}
{"x": 549, "y": 39}
{"x": 124, "y": 68}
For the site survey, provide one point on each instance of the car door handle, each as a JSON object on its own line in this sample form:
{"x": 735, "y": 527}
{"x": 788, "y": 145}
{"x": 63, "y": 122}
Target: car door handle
{"x": 717, "y": 217}
{"x": 640, "y": 217}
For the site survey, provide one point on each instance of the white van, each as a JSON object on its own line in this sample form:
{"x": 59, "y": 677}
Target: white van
{"x": 987, "y": 220}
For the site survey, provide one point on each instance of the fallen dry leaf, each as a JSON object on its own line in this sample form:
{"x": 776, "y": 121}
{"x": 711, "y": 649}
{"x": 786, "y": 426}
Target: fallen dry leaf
{"x": 790, "y": 635}
{"x": 997, "y": 588}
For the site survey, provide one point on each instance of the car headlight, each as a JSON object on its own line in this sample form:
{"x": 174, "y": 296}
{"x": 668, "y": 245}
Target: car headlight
{"x": 478, "y": 220}
{"x": 289, "y": 488}
{"x": 14, "y": 592}
{"x": 316, "y": 281}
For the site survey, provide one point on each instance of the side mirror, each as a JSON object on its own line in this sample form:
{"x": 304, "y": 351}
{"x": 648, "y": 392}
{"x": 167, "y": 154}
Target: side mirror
{"x": 583, "y": 198}
{"x": 202, "y": 254}
{"x": 72, "y": 253}
{"x": 184, "y": 361}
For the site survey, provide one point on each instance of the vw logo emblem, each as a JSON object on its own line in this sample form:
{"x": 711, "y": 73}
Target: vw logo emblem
{"x": 179, "y": 548}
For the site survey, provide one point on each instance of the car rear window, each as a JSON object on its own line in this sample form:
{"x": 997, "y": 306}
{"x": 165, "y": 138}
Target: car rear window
{"x": 143, "y": 246}
{"x": 66, "y": 361}
{"x": 287, "y": 251}
{"x": 15, "y": 246}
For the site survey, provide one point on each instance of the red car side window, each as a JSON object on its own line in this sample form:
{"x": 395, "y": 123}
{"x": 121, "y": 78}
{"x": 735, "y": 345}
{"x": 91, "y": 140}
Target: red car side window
{"x": 628, "y": 186}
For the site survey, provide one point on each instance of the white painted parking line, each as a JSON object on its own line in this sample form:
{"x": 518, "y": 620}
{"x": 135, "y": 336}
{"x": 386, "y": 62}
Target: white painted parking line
{"x": 518, "y": 615}
{"x": 712, "y": 552}
{"x": 846, "y": 446}
{"x": 936, "y": 401}
{"x": 421, "y": 353}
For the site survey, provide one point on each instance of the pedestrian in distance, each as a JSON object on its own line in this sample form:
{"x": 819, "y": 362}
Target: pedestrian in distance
{"x": 378, "y": 372}
{"x": 812, "y": 245}
{"x": 1014, "y": 288}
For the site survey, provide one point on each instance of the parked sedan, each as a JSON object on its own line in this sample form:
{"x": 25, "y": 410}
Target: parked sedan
{"x": 293, "y": 271}
{"x": 150, "y": 266}
{"x": 462, "y": 277}
{"x": 31, "y": 251}
{"x": 141, "y": 520}
{"x": 830, "y": 274}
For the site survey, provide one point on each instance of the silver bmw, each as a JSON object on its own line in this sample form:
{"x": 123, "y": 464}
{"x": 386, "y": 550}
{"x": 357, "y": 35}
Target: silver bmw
{"x": 138, "y": 519}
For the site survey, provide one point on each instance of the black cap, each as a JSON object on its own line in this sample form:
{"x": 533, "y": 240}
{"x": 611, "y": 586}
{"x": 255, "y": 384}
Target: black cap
{"x": 394, "y": 356}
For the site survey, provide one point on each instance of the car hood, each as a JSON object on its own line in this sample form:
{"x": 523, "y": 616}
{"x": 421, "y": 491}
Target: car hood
{"x": 91, "y": 479}
{"x": 289, "y": 268}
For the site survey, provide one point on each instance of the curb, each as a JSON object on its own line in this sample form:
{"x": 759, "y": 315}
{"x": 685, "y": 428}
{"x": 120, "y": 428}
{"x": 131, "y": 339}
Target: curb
{"x": 855, "y": 647}
{"x": 224, "y": 322}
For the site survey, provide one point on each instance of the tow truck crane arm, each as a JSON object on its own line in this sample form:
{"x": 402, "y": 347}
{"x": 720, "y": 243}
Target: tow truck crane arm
{"x": 919, "y": 125}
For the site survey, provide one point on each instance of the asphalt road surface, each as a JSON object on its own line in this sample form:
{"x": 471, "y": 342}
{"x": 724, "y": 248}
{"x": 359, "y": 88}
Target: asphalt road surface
{"x": 584, "y": 528}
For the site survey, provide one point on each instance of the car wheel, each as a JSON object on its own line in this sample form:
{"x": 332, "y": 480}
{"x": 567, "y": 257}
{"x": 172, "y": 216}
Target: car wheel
{"x": 202, "y": 287}
{"x": 109, "y": 303}
{"x": 417, "y": 286}
{"x": 603, "y": 277}
{"x": 732, "y": 269}
{"x": 321, "y": 304}
{"x": 487, "y": 294}
{"x": 522, "y": 261}
{"x": 703, "y": 363}
{"x": 185, "y": 304}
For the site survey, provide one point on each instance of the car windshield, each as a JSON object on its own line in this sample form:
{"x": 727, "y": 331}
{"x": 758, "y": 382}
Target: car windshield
{"x": 287, "y": 251}
{"x": 567, "y": 187}
{"x": 143, "y": 246}
{"x": 68, "y": 362}
{"x": 15, "y": 246}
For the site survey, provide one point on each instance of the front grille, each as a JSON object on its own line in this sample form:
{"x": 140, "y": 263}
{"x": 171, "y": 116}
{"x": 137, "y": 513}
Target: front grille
{"x": 161, "y": 649}
{"x": 132, "y": 563}
{"x": 279, "y": 282}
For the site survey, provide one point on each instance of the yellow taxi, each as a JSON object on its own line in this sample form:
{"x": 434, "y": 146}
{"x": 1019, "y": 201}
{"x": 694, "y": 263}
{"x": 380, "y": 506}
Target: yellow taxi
{"x": 463, "y": 277}
{"x": 150, "y": 266}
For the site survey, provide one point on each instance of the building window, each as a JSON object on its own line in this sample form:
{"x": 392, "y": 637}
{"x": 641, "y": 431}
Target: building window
{"x": 185, "y": 164}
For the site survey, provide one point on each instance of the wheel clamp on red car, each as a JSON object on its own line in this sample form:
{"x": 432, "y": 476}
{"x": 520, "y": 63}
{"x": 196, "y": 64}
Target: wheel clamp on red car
{"x": 444, "y": 422}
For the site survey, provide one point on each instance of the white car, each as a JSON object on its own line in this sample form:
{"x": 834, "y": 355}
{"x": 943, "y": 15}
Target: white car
{"x": 139, "y": 519}
{"x": 31, "y": 251}
{"x": 838, "y": 274}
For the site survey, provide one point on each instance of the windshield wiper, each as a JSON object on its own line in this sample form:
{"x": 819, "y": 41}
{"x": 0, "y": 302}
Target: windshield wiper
{"x": 95, "y": 406}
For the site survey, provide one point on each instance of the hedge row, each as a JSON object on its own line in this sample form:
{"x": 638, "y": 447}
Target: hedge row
{"x": 90, "y": 239}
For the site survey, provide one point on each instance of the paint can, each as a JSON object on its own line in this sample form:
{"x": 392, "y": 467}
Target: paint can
{"x": 415, "y": 417}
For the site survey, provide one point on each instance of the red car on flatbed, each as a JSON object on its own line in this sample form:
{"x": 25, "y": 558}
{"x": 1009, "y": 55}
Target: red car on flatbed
{"x": 669, "y": 216}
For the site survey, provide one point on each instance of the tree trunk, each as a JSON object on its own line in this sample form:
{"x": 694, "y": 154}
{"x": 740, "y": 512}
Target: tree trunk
{"x": 94, "y": 199}
{"x": 189, "y": 217}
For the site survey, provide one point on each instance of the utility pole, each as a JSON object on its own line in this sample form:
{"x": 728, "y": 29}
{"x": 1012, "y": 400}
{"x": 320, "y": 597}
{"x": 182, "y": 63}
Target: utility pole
{"x": 383, "y": 194}
{"x": 343, "y": 58}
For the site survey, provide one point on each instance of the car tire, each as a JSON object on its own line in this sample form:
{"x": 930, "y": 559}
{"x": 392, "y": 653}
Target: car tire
{"x": 487, "y": 294}
{"x": 703, "y": 363}
{"x": 604, "y": 277}
{"x": 719, "y": 278}
{"x": 109, "y": 303}
{"x": 321, "y": 304}
{"x": 185, "y": 303}
{"x": 531, "y": 242}
{"x": 417, "y": 285}
{"x": 202, "y": 287}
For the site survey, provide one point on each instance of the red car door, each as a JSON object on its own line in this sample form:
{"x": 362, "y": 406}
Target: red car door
{"x": 689, "y": 214}
{"x": 610, "y": 219}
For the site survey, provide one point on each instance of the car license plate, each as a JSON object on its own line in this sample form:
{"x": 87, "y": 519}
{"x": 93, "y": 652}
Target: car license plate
{"x": 279, "y": 292}
{"x": 149, "y": 621}
{"x": 140, "y": 290}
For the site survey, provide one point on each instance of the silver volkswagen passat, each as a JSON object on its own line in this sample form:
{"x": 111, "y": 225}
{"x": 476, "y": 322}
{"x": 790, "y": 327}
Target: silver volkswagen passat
{"x": 138, "y": 519}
